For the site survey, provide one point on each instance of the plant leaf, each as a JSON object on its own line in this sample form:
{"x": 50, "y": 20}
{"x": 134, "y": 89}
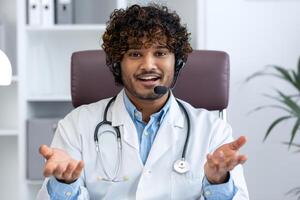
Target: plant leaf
{"x": 284, "y": 74}
{"x": 288, "y": 101}
{"x": 280, "y": 119}
{"x": 295, "y": 191}
{"x": 260, "y": 73}
{"x": 298, "y": 151}
{"x": 297, "y": 79}
{"x": 293, "y": 144}
{"x": 292, "y": 78}
{"x": 272, "y": 97}
{"x": 287, "y": 75}
{"x": 269, "y": 106}
{"x": 263, "y": 73}
{"x": 298, "y": 66}
{"x": 294, "y": 131}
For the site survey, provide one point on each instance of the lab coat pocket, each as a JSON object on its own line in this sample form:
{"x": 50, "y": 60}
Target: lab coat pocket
{"x": 96, "y": 185}
{"x": 186, "y": 186}
{"x": 101, "y": 188}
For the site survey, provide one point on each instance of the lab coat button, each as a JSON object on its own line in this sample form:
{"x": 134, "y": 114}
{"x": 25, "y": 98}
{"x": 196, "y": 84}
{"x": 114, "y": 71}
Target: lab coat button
{"x": 125, "y": 178}
{"x": 68, "y": 194}
{"x": 207, "y": 193}
{"x": 136, "y": 114}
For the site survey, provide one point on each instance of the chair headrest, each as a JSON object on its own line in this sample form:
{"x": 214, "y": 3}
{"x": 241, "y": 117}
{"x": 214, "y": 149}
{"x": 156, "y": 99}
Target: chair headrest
{"x": 203, "y": 82}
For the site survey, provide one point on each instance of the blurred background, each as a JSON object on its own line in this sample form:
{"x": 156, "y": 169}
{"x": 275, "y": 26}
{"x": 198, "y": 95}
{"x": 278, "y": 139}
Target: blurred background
{"x": 39, "y": 43}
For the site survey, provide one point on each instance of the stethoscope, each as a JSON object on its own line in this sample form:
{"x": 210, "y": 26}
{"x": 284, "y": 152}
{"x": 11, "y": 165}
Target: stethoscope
{"x": 181, "y": 166}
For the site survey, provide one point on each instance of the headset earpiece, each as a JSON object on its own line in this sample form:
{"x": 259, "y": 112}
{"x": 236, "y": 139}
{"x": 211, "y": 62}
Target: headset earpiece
{"x": 179, "y": 64}
{"x": 117, "y": 69}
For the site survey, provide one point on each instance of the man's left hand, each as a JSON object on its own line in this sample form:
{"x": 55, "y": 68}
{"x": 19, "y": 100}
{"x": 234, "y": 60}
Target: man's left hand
{"x": 223, "y": 160}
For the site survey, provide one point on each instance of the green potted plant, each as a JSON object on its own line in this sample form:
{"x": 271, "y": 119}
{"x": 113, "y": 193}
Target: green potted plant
{"x": 289, "y": 103}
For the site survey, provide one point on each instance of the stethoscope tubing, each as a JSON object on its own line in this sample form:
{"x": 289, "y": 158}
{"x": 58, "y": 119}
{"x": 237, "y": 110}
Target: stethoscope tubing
{"x": 183, "y": 156}
{"x": 106, "y": 122}
{"x": 118, "y": 137}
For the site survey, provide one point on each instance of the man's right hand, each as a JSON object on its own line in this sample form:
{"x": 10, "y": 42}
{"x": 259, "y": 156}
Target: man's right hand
{"x": 60, "y": 165}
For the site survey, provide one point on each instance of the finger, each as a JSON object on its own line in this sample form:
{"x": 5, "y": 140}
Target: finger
{"x": 45, "y": 151}
{"x": 220, "y": 158}
{"x": 210, "y": 161}
{"x": 215, "y": 160}
{"x": 76, "y": 173}
{"x": 238, "y": 143}
{"x": 232, "y": 164}
{"x": 49, "y": 168}
{"x": 59, "y": 170}
{"x": 242, "y": 159}
{"x": 69, "y": 170}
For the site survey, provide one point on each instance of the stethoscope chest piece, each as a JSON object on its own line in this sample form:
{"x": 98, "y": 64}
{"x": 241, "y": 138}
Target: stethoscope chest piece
{"x": 181, "y": 166}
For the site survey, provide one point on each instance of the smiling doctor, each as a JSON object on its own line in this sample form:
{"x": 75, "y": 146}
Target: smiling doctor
{"x": 138, "y": 155}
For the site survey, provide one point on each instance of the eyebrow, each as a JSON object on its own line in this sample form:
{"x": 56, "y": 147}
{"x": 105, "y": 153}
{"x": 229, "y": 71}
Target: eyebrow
{"x": 161, "y": 47}
{"x": 156, "y": 47}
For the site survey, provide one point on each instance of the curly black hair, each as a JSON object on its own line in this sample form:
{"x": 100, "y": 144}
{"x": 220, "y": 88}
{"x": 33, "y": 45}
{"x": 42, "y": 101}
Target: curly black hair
{"x": 126, "y": 29}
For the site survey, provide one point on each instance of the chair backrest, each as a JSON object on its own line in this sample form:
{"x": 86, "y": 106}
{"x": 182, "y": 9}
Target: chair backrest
{"x": 203, "y": 82}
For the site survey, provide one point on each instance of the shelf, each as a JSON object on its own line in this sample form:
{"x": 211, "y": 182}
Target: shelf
{"x": 46, "y": 98}
{"x": 14, "y": 79}
{"x": 35, "y": 182}
{"x": 73, "y": 27}
{"x": 8, "y": 132}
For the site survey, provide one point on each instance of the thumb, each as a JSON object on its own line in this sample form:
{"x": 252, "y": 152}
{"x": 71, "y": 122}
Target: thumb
{"x": 238, "y": 143}
{"x": 45, "y": 151}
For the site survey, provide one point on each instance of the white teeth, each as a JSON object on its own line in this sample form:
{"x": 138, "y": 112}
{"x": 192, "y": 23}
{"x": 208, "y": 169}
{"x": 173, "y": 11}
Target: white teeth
{"x": 148, "y": 77}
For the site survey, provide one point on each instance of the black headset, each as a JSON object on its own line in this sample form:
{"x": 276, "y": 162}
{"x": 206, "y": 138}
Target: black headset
{"x": 179, "y": 64}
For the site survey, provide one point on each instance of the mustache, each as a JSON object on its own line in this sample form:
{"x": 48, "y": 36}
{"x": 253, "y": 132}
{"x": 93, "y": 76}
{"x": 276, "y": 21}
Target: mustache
{"x": 150, "y": 72}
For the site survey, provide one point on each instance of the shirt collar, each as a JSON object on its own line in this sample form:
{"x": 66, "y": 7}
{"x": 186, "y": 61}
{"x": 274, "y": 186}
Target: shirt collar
{"x": 137, "y": 115}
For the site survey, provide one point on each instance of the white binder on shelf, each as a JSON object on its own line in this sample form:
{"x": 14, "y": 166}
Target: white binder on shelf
{"x": 47, "y": 13}
{"x": 34, "y": 12}
{"x": 64, "y": 12}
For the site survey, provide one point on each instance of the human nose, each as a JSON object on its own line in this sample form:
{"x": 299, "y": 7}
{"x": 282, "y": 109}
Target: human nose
{"x": 148, "y": 62}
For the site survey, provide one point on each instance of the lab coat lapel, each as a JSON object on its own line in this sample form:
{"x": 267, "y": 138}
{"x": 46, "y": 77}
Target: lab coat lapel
{"x": 121, "y": 118}
{"x": 168, "y": 133}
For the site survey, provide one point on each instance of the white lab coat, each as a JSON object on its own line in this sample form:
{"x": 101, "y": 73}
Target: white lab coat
{"x": 156, "y": 179}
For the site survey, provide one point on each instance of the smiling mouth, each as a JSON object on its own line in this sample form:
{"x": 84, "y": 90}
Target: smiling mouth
{"x": 148, "y": 77}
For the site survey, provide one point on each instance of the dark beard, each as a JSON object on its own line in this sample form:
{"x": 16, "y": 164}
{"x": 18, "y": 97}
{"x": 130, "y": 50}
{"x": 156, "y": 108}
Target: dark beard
{"x": 149, "y": 97}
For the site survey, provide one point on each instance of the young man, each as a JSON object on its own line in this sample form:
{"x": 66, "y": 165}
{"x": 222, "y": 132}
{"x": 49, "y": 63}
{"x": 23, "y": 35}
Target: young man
{"x": 145, "y": 48}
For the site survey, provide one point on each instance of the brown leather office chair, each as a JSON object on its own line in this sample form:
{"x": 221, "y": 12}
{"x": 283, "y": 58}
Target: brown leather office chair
{"x": 203, "y": 82}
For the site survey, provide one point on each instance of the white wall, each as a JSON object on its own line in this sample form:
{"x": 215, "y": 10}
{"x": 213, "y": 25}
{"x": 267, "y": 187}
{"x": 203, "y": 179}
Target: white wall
{"x": 8, "y": 19}
{"x": 187, "y": 12}
{"x": 257, "y": 33}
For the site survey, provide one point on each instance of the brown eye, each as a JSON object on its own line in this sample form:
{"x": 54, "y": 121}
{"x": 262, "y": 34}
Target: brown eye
{"x": 134, "y": 54}
{"x": 160, "y": 53}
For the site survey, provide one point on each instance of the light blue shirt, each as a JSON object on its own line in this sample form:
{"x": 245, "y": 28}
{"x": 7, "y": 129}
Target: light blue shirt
{"x": 146, "y": 131}
{"x": 146, "y": 135}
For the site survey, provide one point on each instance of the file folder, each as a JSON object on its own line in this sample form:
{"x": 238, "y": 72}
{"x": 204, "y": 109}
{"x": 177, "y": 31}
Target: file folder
{"x": 34, "y": 12}
{"x": 64, "y": 12}
{"x": 93, "y": 11}
{"x": 38, "y": 131}
{"x": 47, "y": 12}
